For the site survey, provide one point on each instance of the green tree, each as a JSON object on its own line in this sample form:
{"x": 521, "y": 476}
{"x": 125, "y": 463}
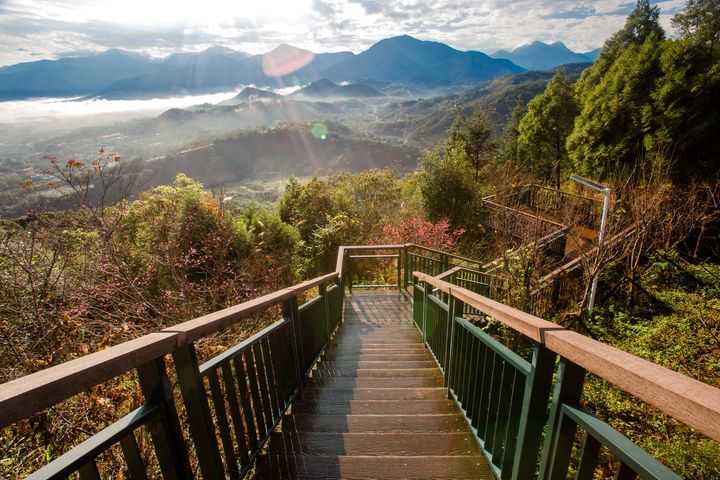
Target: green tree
{"x": 473, "y": 136}
{"x": 446, "y": 187}
{"x": 686, "y": 113}
{"x": 640, "y": 24}
{"x": 700, "y": 23}
{"x": 543, "y": 131}
{"x": 507, "y": 150}
{"x": 611, "y": 130}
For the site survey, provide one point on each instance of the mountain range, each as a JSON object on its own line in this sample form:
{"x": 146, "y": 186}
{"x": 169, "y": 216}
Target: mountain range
{"x": 543, "y": 56}
{"x": 405, "y": 65}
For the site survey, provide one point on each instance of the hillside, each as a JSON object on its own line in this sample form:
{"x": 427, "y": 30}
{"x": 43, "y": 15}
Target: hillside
{"x": 281, "y": 151}
{"x": 425, "y": 121}
{"x": 324, "y": 88}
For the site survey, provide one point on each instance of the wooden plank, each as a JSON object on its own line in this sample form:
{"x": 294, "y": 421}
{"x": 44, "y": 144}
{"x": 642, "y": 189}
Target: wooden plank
{"x": 374, "y": 423}
{"x": 344, "y": 394}
{"x": 373, "y": 444}
{"x": 377, "y": 349}
{"x": 22, "y": 397}
{"x": 379, "y": 468}
{"x": 376, "y": 407}
{"x": 364, "y": 382}
{"x": 365, "y": 356}
{"x": 375, "y": 364}
{"x": 378, "y": 373}
{"x": 689, "y": 401}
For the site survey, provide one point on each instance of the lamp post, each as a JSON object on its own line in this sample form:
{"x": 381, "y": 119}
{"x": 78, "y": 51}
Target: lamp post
{"x": 606, "y": 203}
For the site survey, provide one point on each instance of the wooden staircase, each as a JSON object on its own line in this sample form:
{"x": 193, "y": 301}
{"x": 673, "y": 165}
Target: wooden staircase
{"x": 375, "y": 407}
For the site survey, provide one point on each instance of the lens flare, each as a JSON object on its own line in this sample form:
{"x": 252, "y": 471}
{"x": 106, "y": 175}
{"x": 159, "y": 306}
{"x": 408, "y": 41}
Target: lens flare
{"x": 319, "y": 131}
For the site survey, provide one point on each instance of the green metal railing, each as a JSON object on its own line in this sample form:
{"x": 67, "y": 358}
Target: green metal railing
{"x": 229, "y": 405}
{"x": 505, "y": 397}
{"x": 487, "y": 381}
{"x": 233, "y": 401}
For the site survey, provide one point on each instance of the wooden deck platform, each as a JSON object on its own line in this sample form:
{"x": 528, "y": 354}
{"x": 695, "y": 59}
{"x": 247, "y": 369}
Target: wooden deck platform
{"x": 374, "y": 408}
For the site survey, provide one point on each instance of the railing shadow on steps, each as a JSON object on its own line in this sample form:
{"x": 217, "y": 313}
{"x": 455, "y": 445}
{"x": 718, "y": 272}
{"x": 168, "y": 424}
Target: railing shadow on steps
{"x": 235, "y": 400}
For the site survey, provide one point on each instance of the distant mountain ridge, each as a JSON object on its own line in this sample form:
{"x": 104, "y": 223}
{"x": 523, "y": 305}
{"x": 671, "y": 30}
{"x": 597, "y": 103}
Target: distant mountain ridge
{"x": 324, "y": 88}
{"x": 397, "y": 66}
{"x": 405, "y": 64}
{"x": 421, "y": 64}
{"x": 542, "y": 56}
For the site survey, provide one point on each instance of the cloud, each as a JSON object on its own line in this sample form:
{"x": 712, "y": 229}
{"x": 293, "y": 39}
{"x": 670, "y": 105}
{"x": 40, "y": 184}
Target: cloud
{"x": 578, "y": 12}
{"x": 55, "y": 27}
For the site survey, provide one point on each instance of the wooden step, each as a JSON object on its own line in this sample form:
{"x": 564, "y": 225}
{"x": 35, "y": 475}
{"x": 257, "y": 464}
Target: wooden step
{"x": 345, "y": 394}
{"x": 435, "y": 423}
{"x": 373, "y": 329}
{"x": 370, "y": 382}
{"x": 376, "y": 407}
{"x": 410, "y": 348}
{"x": 373, "y": 364}
{"x": 373, "y": 444}
{"x": 366, "y": 467}
{"x": 389, "y": 356}
{"x": 379, "y": 373}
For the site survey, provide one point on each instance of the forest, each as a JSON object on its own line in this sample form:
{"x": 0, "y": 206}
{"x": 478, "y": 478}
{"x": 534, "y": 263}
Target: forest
{"x": 643, "y": 120}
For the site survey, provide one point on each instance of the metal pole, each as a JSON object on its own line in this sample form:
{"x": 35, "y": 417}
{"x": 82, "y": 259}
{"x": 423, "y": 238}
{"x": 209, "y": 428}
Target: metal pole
{"x": 606, "y": 203}
{"x": 601, "y": 233}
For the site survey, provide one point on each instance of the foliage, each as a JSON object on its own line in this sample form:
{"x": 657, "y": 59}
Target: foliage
{"x": 647, "y": 94}
{"x": 543, "y": 131}
{"x": 420, "y": 231}
{"x": 686, "y": 99}
{"x": 676, "y": 326}
{"x": 610, "y": 132}
{"x": 340, "y": 210}
{"x": 447, "y": 189}
{"x": 473, "y": 136}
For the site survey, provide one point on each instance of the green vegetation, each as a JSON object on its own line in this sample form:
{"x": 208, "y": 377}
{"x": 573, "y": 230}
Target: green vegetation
{"x": 645, "y": 94}
{"x": 545, "y": 127}
{"x": 677, "y": 325}
{"x": 109, "y": 266}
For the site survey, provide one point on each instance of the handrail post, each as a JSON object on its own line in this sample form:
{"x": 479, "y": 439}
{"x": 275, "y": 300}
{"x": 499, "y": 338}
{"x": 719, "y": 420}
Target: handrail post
{"x": 198, "y": 411}
{"x": 399, "y": 269}
{"x": 290, "y": 310}
{"x": 424, "y": 316}
{"x": 167, "y": 437}
{"x": 456, "y": 308}
{"x": 533, "y": 416}
{"x": 323, "y": 293}
{"x": 560, "y": 435}
{"x": 405, "y": 266}
{"x": 444, "y": 263}
{"x": 349, "y": 281}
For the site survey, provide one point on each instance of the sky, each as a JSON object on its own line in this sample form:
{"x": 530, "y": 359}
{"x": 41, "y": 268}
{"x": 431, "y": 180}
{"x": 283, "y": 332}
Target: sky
{"x": 39, "y": 29}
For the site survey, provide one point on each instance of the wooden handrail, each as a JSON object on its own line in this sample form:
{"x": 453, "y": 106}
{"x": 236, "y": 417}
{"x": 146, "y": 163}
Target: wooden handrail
{"x": 529, "y": 325}
{"x": 214, "y": 322}
{"x": 687, "y": 400}
{"x": 23, "y": 396}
